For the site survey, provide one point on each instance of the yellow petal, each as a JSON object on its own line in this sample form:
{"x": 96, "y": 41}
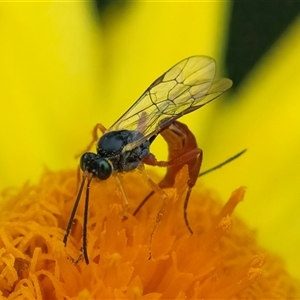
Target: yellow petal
{"x": 266, "y": 121}
{"x": 49, "y": 57}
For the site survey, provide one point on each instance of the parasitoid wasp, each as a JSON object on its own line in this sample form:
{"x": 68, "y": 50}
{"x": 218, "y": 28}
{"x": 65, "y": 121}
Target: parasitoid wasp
{"x": 125, "y": 146}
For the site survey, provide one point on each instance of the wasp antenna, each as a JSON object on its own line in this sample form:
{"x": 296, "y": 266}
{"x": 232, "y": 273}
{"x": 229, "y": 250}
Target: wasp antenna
{"x": 223, "y": 163}
{"x": 85, "y": 220}
{"x": 69, "y": 226}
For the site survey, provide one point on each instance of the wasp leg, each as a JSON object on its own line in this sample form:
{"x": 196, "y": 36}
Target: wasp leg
{"x": 95, "y": 138}
{"x": 173, "y": 166}
{"x": 193, "y": 175}
{"x": 125, "y": 199}
{"x": 193, "y": 159}
{"x": 155, "y": 189}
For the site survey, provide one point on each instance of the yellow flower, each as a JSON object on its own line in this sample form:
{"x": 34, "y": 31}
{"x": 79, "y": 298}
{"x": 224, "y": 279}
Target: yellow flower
{"x": 220, "y": 260}
{"x": 61, "y": 74}
{"x": 265, "y": 121}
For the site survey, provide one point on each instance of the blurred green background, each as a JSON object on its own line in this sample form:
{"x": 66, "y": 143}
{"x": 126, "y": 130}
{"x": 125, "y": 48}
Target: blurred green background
{"x": 66, "y": 66}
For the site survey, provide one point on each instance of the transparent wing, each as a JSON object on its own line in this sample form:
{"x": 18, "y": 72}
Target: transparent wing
{"x": 184, "y": 88}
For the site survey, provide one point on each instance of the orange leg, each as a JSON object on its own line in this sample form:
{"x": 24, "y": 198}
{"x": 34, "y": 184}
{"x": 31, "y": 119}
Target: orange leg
{"x": 183, "y": 150}
{"x": 95, "y": 138}
{"x": 193, "y": 159}
{"x": 181, "y": 160}
{"x": 155, "y": 189}
{"x": 194, "y": 156}
{"x": 124, "y": 196}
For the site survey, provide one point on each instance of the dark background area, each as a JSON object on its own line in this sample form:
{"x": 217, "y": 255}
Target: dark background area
{"x": 254, "y": 27}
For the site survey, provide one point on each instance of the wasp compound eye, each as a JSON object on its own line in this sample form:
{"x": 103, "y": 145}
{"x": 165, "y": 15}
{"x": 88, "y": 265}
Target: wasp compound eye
{"x": 94, "y": 164}
{"x": 104, "y": 169}
{"x": 87, "y": 161}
